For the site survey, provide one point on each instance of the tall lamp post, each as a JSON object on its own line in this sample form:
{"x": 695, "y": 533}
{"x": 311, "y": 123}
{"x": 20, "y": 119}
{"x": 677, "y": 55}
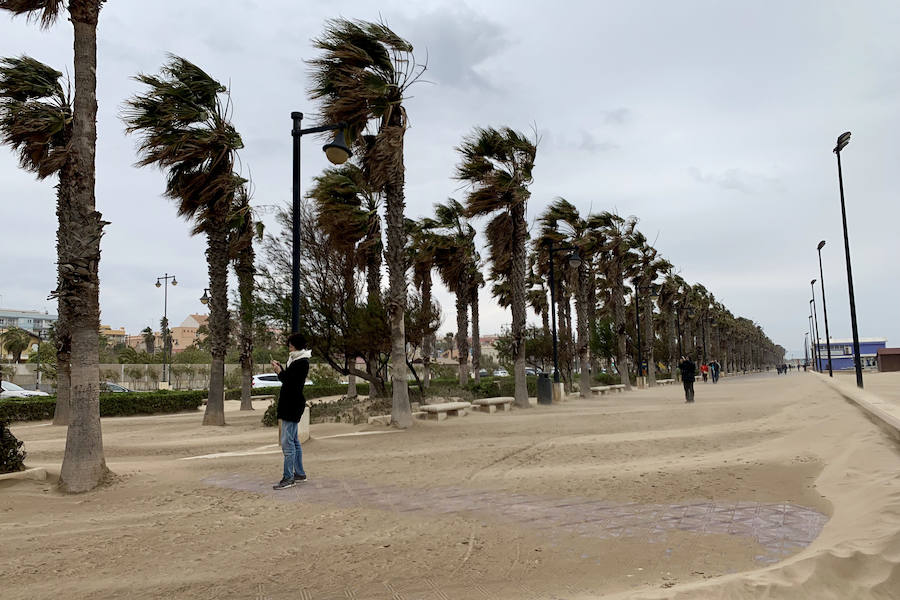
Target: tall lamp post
{"x": 812, "y": 346}
{"x": 337, "y": 153}
{"x": 165, "y": 285}
{"x": 575, "y": 262}
{"x": 842, "y": 141}
{"x": 825, "y": 308}
{"x": 812, "y": 284}
{"x": 805, "y": 348}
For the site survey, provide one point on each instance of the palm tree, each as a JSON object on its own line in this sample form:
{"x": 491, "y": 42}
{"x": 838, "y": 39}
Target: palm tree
{"x": 616, "y": 244}
{"x": 183, "y": 121}
{"x": 476, "y": 280}
{"x": 36, "y": 122}
{"x": 670, "y": 292}
{"x": 648, "y": 268}
{"x": 16, "y": 341}
{"x": 421, "y": 249}
{"x": 362, "y": 75}
{"x": 340, "y": 195}
{"x": 454, "y": 258}
{"x": 149, "y": 339}
{"x": 83, "y": 463}
{"x": 243, "y": 230}
{"x": 497, "y": 165}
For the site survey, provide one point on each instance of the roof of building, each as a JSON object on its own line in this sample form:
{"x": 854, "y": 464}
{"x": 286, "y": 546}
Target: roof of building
{"x": 873, "y": 340}
{"x": 195, "y": 321}
{"x": 9, "y": 312}
{"x": 882, "y": 351}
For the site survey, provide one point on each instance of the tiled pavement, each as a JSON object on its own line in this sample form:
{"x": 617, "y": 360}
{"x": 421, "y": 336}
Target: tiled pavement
{"x": 781, "y": 529}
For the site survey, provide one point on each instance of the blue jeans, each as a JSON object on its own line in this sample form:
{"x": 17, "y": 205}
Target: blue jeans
{"x": 290, "y": 447}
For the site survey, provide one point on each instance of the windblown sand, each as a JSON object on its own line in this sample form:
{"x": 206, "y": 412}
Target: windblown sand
{"x": 633, "y": 495}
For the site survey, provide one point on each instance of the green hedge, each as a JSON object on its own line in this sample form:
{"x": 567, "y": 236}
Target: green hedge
{"x": 12, "y": 457}
{"x": 235, "y": 394}
{"x": 111, "y": 405}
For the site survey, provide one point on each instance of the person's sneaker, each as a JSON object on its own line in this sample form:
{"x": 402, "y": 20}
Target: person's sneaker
{"x": 283, "y": 484}
{"x": 299, "y": 478}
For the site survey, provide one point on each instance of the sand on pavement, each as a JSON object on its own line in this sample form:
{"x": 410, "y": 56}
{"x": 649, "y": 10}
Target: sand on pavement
{"x": 631, "y": 495}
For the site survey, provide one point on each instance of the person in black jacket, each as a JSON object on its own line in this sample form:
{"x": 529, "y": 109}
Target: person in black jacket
{"x": 291, "y": 404}
{"x": 688, "y": 372}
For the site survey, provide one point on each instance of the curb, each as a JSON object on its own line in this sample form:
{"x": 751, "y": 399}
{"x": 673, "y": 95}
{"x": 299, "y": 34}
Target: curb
{"x": 38, "y": 474}
{"x": 881, "y": 412}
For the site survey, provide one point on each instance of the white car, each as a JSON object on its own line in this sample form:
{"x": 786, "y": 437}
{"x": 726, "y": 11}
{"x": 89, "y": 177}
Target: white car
{"x": 501, "y": 372}
{"x": 11, "y": 390}
{"x": 269, "y": 380}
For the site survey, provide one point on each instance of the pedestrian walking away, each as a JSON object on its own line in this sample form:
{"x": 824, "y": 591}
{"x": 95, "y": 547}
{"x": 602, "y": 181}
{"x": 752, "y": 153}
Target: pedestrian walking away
{"x": 688, "y": 372}
{"x": 291, "y": 404}
{"x": 704, "y": 371}
{"x": 714, "y": 370}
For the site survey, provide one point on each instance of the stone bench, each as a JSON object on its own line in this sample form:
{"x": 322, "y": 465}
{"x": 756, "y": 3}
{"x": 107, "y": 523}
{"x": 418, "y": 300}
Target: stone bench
{"x": 665, "y": 381}
{"x": 619, "y": 387}
{"x": 490, "y": 405}
{"x": 386, "y": 419}
{"x": 600, "y": 389}
{"x": 441, "y": 411}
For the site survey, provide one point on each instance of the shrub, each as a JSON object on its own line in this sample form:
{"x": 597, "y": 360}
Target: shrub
{"x": 12, "y": 457}
{"x": 235, "y": 394}
{"x": 233, "y": 379}
{"x": 270, "y": 417}
{"x": 111, "y": 405}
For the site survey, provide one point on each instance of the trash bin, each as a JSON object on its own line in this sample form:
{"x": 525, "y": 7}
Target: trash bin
{"x": 544, "y": 389}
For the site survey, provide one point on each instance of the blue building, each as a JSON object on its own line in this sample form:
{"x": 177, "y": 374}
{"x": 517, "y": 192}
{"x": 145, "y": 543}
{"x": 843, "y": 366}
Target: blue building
{"x": 842, "y": 353}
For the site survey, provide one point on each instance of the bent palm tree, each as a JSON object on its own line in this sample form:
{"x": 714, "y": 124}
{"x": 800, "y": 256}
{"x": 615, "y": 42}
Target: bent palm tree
{"x": 184, "y": 127}
{"x": 243, "y": 230}
{"x": 36, "y": 122}
{"x": 421, "y": 248}
{"x": 362, "y": 75}
{"x": 497, "y": 166}
{"x": 83, "y": 463}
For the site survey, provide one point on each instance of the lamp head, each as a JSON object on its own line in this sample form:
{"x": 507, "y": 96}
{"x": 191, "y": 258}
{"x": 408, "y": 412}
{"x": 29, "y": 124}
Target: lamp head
{"x": 204, "y": 299}
{"x": 158, "y": 284}
{"x": 173, "y": 280}
{"x": 812, "y": 282}
{"x": 842, "y": 141}
{"x": 574, "y": 260}
{"x": 337, "y": 151}
{"x": 821, "y": 245}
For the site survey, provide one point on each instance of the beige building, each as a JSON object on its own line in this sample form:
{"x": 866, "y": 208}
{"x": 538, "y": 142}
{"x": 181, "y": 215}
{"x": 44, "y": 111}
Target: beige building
{"x": 114, "y": 337}
{"x": 186, "y": 334}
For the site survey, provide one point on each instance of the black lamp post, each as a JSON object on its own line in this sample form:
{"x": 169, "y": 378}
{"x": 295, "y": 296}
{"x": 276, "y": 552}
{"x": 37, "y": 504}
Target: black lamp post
{"x": 165, "y": 278}
{"x": 805, "y": 348}
{"x": 574, "y": 261}
{"x": 842, "y": 141}
{"x": 825, "y": 308}
{"x": 812, "y": 284}
{"x": 812, "y": 346}
{"x": 637, "y": 322}
{"x": 337, "y": 152}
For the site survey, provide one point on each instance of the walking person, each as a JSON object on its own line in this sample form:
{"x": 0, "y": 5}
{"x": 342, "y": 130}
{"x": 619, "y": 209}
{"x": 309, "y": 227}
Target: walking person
{"x": 291, "y": 404}
{"x": 714, "y": 369}
{"x": 704, "y": 371}
{"x": 688, "y": 372}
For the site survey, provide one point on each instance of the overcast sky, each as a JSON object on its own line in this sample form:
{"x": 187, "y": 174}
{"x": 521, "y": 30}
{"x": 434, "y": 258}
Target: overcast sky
{"x": 713, "y": 122}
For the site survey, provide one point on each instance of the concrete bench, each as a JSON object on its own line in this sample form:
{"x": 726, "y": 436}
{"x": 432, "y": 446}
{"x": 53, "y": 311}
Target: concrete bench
{"x": 665, "y": 381}
{"x": 490, "y": 405}
{"x": 386, "y": 419}
{"x": 619, "y": 387}
{"x": 600, "y": 389}
{"x": 441, "y": 411}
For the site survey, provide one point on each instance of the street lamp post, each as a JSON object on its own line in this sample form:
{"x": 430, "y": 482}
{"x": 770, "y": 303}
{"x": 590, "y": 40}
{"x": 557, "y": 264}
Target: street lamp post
{"x": 337, "y": 153}
{"x": 165, "y": 285}
{"x": 812, "y": 284}
{"x": 825, "y": 308}
{"x": 812, "y": 346}
{"x": 805, "y": 348}
{"x": 574, "y": 261}
{"x": 637, "y": 322}
{"x": 842, "y": 141}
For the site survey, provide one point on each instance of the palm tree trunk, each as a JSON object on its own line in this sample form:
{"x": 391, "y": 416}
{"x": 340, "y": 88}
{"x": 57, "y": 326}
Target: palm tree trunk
{"x": 428, "y": 339}
{"x": 350, "y": 293}
{"x": 83, "y": 465}
{"x": 650, "y": 337}
{"x": 462, "y": 333}
{"x": 581, "y": 313}
{"x": 592, "y": 318}
{"x": 618, "y": 298}
{"x": 217, "y": 262}
{"x": 671, "y": 335}
{"x": 245, "y": 270}
{"x": 63, "y": 412}
{"x": 517, "y": 284}
{"x": 476, "y": 335}
{"x": 401, "y": 414}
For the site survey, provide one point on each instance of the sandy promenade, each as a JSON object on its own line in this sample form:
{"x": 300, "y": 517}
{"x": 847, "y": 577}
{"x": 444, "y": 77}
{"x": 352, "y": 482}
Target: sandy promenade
{"x": 767, "y": 487}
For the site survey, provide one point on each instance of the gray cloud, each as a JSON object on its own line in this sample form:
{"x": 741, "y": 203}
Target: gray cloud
{"x": 737, "y": 180}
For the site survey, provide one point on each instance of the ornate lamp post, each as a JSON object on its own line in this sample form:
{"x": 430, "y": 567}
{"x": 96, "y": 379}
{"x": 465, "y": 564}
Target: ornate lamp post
{"x": 165, "y": 285}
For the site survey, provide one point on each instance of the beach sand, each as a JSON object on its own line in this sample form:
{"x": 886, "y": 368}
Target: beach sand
{"x": 767, "y": 486}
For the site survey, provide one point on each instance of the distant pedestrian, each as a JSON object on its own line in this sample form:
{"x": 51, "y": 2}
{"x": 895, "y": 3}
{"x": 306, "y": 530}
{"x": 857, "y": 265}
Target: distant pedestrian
{"x": 291, "y": 404}
{"x": 704, "y": 371}
{"x": 714, "y": 370}
{"x": 688, "y": 372}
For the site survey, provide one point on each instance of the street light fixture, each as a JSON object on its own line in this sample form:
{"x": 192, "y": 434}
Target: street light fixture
{"x": 167, "y": 375}
{"x": 842, "y": 141}
{"x": 825, "y": 307}
{"x": 575, "y": 262}
{"x": 337, "y": 153}
{"x": 204, "y": 299}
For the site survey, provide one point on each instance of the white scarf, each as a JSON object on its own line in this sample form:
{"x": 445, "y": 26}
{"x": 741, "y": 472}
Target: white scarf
{"x": 297, "y": 355}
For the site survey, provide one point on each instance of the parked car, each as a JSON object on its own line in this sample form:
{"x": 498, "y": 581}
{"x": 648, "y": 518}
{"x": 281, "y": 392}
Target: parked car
{"x": 11, "y": 390}
{"x": 483, "y": 372}
{"x": 501, "y": 372}
{"x": 109, "y": 386}
{"x": 532, "y": 371}
{"x": 269, "y": 380}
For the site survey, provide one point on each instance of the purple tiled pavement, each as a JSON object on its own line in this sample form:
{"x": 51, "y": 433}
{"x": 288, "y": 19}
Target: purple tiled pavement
{"x": 781, "y": 529}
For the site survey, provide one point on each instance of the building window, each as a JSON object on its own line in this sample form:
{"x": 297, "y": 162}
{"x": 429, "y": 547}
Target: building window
{"x": 848, "y": 350}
